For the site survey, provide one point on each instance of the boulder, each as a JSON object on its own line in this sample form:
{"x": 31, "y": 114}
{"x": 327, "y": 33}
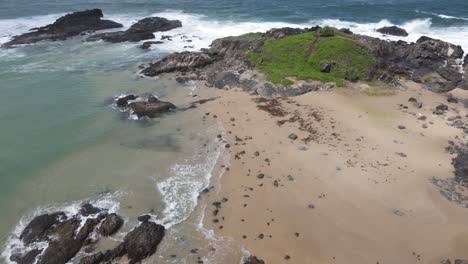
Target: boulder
{"x": 143, "y": 241}
{"x": 123, "y": 101}
{"x": 154, "y": 24}
{"x": 110, "y": 225}
{"x": 179, "y": 62}
{"x": 393, "y": 30}
{"x": 138, "y": 244}
{"x": 28, "y": 258}
{"x": 327, "y": 66}
{"x": 152, "y": 108}
{"x": 67, "y": 239}
{"x": 37, "y": 229}
{"x": 147, "y": 44}
{"x": 139, "y": 31}
{"x": 65, "y": 27}
{"x": 88, "y": 209}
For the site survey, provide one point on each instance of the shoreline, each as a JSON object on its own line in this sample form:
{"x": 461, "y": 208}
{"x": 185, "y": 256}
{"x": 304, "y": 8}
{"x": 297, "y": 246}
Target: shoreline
{"x": 330, "y": 210}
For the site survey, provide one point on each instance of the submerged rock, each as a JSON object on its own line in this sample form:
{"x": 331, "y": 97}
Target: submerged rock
{"x": 148, "y": 44}
{"x": 141, "y": 30}
{"x": 151, "y": 108}
{"x": 65, "y": 27}
{"x": 393, "y": 30}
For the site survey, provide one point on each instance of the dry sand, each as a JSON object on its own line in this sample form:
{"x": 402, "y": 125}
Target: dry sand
{"x": 352, "y": 188}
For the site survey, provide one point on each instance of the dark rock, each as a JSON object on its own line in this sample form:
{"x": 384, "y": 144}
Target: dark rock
{"x": 144, "y": 218}
{"x": 253, "y": 260}
{"x": 460, "y": 165}
{"x": 147, "y": 44}
{"x": 65, "y": 27}
{"x": 182, "y": 79}
{"x": 325, "y": 66}
{"x": 461, "y": 261}
{"x": 346, "y": 31}
{"x": 441, "y": 109}
{"x": 292, "y": 136}
{"x": 452, "y": 99}
{"x": 67, "y": 240}
{"x": 182, "y": 62}
{"x": 224, "y": 79}
{"x": 139, "y": 31}
{"x": 393, "y": 30}
{"x": 401, "y": 127}
{"x": 154, "y": 24}
{"x": 143, "y": 241}
{"x": 110, "y": 225}
{"x": 37, "y": 229}
{"x": 151, "y": 108}
{"x": 123, "y": 101}
{"x": 28, "y": 258}
{"x": 88, "y": 209}
{"x": 415, "y": 102}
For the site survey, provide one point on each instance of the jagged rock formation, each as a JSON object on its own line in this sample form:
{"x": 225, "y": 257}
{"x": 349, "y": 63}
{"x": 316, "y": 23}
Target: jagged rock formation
{"x": 393, "y": 30}
{"x": 141, "y": 30}
{"x": 435, "y": 63}
{"x": 65, "y": 27}
{"x": 64, "y": 237}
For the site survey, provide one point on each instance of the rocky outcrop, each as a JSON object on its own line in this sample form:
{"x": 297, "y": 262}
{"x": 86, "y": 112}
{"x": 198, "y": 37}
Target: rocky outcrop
{"x": 65, "y": 27}
{"x": 393, "y": 30}
{"x": 138, "y": 244}
{"x": 460, "y": 165}
{"x": 180, "y": 62}
{"x": 148, "y": 106}
{"x": 110, "y": 225}
{"x": 139, "y": 31}
{"x": 433, "y": 62}
{"x": 64, "y": 235}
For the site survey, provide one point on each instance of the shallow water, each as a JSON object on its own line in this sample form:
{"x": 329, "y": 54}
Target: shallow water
{"x": 62, "y": 142}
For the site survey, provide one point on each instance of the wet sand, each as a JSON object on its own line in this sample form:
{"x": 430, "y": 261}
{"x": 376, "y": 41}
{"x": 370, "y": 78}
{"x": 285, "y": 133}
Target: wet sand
{"x": 352, "y": 188}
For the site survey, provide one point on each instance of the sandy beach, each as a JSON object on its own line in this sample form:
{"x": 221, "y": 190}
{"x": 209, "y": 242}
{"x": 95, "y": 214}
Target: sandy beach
{"x": 355, "y": 186}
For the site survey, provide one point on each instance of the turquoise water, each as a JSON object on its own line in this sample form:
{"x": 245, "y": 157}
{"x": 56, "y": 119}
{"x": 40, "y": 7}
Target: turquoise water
{"x": 61, "y": 141}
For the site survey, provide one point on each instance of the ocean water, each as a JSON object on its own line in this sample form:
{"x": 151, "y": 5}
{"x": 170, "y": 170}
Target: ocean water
{"x": 62, "y": 142}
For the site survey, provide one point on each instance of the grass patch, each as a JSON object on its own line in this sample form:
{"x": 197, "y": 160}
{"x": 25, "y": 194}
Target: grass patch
{"x": 300, "y": 56}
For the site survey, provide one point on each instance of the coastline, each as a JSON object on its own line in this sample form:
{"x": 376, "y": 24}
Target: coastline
{"x": 359, "y": 191}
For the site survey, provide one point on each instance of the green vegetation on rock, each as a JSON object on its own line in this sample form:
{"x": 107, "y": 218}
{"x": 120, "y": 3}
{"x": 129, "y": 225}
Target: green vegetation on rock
{"x": 300, "y": 55}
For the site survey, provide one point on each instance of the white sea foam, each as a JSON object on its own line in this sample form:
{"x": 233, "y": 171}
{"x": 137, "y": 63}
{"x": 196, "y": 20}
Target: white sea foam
{"x": 416, "y": 28}
{"x": 443, "y": 16}
{"x": 13, "y": 245}
{"x": 181, "y": 190}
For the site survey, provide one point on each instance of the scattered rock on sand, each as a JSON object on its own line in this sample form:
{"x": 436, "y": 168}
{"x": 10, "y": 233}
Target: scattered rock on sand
{"x": 292, "y": 136}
